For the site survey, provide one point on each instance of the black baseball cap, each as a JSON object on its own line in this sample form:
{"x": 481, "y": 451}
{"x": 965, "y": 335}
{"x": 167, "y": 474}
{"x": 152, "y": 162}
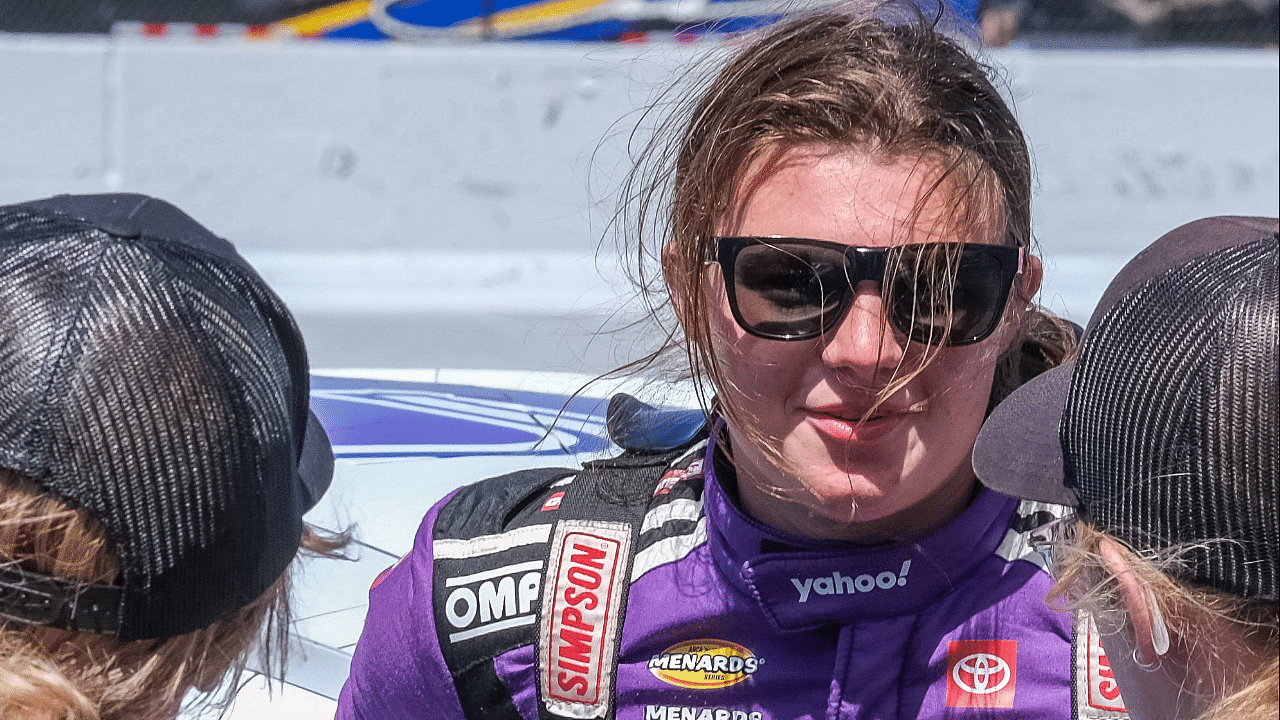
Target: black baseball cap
{"x": 149, "y": 375}
{"x": 1162, "y": 432}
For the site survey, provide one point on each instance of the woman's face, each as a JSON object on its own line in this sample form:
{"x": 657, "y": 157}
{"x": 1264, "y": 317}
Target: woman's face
{"x": 906, "y": 470}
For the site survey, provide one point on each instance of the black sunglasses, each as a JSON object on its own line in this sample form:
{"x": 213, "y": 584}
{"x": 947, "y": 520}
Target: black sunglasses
{"x": 797, "y": 289}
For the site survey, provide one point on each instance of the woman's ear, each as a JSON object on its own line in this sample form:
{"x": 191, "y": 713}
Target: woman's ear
{"x": 670, "y": 275}
{"x": 1032, "y": 275}
{"x": 1141, "y": 609}
{"x": 679, "y": 284}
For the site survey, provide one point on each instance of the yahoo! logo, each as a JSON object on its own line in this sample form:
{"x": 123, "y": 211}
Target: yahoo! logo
{"x": 837, "y": 584}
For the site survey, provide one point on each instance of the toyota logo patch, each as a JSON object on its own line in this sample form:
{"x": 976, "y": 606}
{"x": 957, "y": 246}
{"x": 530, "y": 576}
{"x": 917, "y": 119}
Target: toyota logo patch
{"x": 982, "y": 673}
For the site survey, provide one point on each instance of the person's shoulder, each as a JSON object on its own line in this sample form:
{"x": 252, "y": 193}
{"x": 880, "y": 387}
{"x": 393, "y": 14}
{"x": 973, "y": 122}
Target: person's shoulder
{"x": 652, "y": 440}
{"x": 494, "y": 505}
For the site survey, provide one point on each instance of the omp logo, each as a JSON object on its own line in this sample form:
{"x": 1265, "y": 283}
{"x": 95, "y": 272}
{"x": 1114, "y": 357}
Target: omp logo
{"x": 837, "y": 584}
{"x": 581, "y": 608}
{"x": 704, "y": 664}
{"x": 982, "y": 673}
{"x": 493, "y": 600}
{"x": 680, "y": 712}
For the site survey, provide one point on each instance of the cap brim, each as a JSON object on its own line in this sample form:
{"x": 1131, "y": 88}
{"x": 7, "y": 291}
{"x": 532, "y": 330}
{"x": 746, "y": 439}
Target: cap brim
{"x": 1018, "y": 451}
{"x": 315, "y": 463}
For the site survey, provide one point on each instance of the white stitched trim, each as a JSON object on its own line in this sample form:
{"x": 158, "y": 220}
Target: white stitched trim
{"x": 489, "y": 544}
{"x": 492, "y": 627}
{"x": 1093, "y": 677}
{"x": 698, "y": 449}
{"x": 496, "y": 572}
{"x": 668, "y": 550}
{"x": 603, "y": 547}
{"x": 681, "y": 509}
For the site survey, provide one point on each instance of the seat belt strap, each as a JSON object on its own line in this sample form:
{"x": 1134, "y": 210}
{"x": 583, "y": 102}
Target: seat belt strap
{"x": 587, "y": 581}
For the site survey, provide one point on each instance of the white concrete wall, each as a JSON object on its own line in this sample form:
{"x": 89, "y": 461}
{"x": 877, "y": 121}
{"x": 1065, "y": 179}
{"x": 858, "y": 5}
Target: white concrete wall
{"x": 321, "y": 145}
{"x": 447, "y": 187}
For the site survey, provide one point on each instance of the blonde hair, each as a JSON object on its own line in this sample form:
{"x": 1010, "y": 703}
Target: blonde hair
{"x": 1083, "y": 583}
{"x": 84, "y": 676}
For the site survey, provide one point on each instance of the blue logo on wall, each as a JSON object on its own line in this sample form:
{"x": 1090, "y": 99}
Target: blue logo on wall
{"x": 378, "y": 418}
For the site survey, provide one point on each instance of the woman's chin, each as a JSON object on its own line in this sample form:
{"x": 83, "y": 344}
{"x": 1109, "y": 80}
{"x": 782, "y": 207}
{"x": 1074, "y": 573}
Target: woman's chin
{"x": 844, "y": 494}
{"x": 842, "y": 512}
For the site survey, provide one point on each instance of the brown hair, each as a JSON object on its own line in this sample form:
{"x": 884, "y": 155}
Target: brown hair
{"x": 48, "y": 674}
{"x": 1245, "y": 693}
{"x": 884, "y": 81}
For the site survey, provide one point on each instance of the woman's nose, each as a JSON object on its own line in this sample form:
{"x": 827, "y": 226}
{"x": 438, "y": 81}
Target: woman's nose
{"x": 863, "y": 341}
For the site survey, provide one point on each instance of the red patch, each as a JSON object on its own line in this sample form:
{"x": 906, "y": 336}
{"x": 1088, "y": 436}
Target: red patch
{"x": 982, "y": 673}
{"x": 1104, "y": 693}
{"x": 383, "y": 575}
{"x": 672, "y": 477}
{"x": 667, "y": 482}
{"x": 553, "y": 502}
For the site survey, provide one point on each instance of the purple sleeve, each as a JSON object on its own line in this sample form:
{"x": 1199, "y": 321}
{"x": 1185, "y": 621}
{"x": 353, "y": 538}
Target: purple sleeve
{"x": 397, "y": 670}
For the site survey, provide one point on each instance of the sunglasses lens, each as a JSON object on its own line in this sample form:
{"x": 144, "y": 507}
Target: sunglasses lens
{"x": 936, "y": 293}
{"x": 789, "y": 291}
{"x": 940, "y": 295}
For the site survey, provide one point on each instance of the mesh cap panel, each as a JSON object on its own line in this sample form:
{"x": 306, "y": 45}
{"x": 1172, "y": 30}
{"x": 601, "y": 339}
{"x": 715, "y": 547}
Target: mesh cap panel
{"x": 149, "y": 382}
{"x": 1169, "y": 433}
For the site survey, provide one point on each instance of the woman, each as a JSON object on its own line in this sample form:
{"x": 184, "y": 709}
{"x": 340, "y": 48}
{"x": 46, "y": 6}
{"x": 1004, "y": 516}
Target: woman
{"x": 1163, "y": 436}
{"x": 156, "y": 456}
{"x": 846, "y": 247}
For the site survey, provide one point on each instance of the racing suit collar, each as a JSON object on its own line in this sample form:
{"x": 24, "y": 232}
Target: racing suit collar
{"x": 815, "y": 582}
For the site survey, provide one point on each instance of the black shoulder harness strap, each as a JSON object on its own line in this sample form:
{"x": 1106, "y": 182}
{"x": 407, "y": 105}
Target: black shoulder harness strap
{"x": 587, "y": 581}
{"x": 503, "y": 579}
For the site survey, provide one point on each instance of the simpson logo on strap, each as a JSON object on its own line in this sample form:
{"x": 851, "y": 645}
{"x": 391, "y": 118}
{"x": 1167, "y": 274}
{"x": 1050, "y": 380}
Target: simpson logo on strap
{"x": 503, "y": 582}
{"x": 588, "y": 576}
{"x": 589, "y": 567}
{"x": 582, "y": 615}
{"x": 1097, "y": 695}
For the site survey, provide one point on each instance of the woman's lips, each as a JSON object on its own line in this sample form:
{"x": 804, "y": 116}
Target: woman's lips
{"x": 837, "y": 425}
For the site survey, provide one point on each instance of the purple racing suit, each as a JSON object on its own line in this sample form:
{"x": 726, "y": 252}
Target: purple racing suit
{"x": 726, "y": 618}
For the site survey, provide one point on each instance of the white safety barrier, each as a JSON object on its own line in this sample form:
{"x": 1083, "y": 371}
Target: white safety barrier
{"x": 445, "y": 155}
